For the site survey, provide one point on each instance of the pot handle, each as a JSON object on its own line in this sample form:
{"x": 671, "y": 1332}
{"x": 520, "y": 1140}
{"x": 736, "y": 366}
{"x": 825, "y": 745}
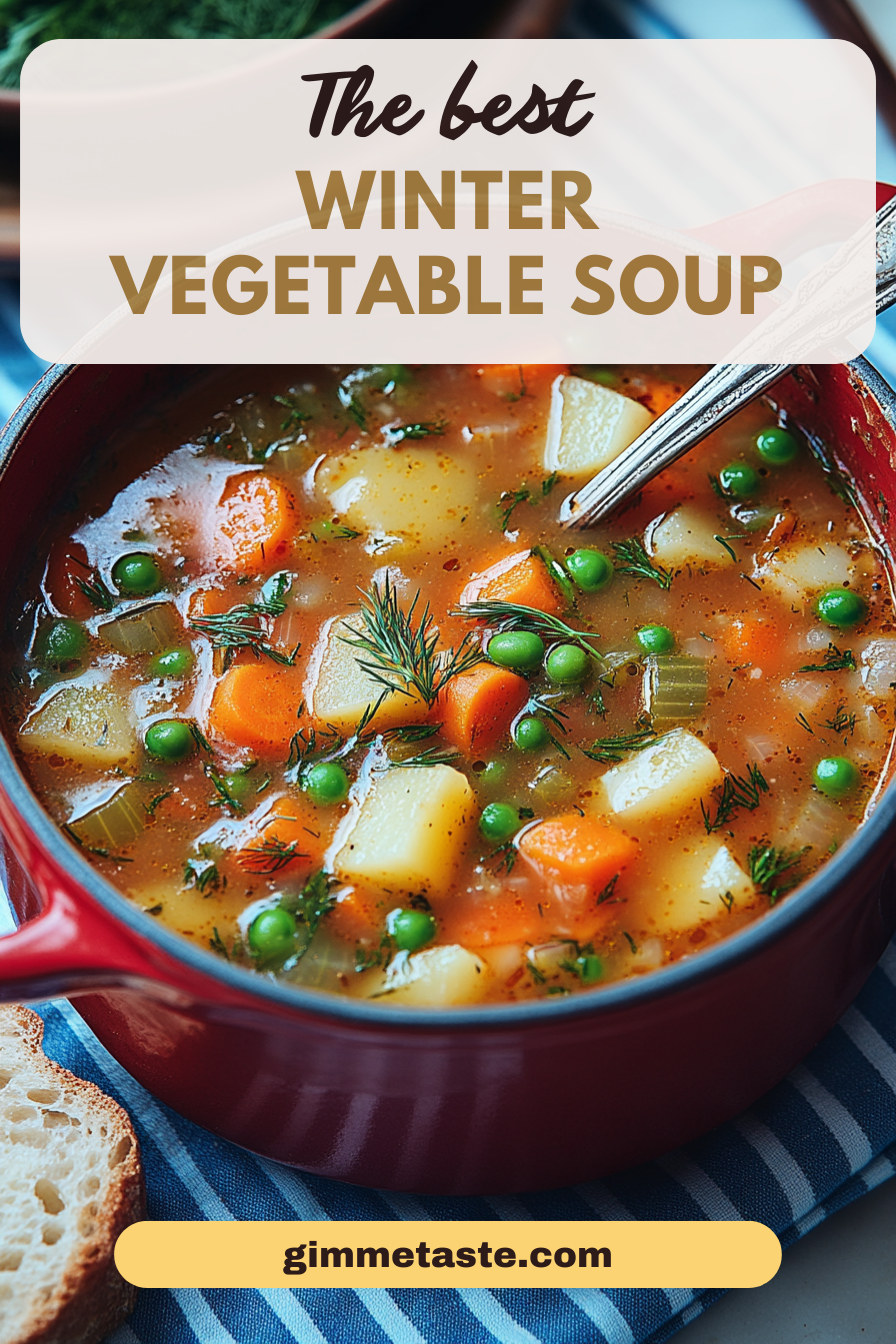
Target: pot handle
{"x": 69, "y": 947}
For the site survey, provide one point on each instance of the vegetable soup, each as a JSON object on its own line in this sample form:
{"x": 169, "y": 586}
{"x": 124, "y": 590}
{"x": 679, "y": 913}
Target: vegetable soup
{"x": 315, "y": 676}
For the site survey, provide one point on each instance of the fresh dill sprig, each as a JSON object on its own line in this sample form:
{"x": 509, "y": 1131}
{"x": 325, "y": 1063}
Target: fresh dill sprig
{"x": 513, "y": 616}
{"x": 431, "y": 756}
{"x": 503, "y": 858}
{"x": 612, "y": 749}
{"x": 294, "y": 417}
{"x": 606, "y": 894}
{"x": 734, "y": 792}
{"x": 834, "y": 661}
{"x": 557, "y": 573}
{"x": 727, "y": 900}
{"x": 216, "y": 943}
{"x": 200, "y": 739}
{"x": 241, "y": 628}
{"x": 841, "y": 722}
{"x": 731, "y": 536}
{"x": 804, "y": 723}
{"x": 93, "y": 587}
{"x": 150, "y": 807}
{"x": 423, "y": 429}
{"x": 769, "y": 868}
{"x": 509, "y": 501}
{"x": 631, "y": 942}
{"x": 631, "y": 558}
{"x": 312, "y": 903}
{"x": 269, "y": 856}
{"x": 223, "y": 795}
{"x": 403, "y": 655}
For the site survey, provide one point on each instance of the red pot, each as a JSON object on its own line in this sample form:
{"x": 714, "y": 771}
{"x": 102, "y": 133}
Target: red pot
{"x": 492, "y": 1099}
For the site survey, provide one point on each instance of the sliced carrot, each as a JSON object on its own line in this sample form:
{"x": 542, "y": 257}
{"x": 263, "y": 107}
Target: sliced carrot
{"x": 751, "y": 640}
{"x": 477, "y": 707}
{"x": 66, "y": 565}
{"x": 294, "y": 831}
{"x": 358, "y": 916}
{"x": 255, "y": 521}
{"x": 578, "y": 850}
{"x": 519, "y": 578}
{"x": 256, "y": 705}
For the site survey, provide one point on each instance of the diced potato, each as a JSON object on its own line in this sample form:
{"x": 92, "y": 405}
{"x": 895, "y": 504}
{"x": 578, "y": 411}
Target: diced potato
{"x": 688, "y": 536}
{"x": 338, "y": 689}
{"x": 589, "y": 426}
{"x": 87, "y": 724}
{"x": 438, "y": 976}
{"x": 799, "y": 572}
{"x": 408, "y": 832}
{"x": 422, "y": 497}
{"x": 699, "y": 884}
{"x": 673, "y": 774}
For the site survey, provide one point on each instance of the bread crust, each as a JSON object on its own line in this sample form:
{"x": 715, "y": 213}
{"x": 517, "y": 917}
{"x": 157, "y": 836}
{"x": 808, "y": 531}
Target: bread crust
{"x": 91, "y": 1299}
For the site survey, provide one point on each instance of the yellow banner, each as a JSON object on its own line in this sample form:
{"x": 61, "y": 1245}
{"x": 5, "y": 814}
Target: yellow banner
{"x": 448, "y": 1255}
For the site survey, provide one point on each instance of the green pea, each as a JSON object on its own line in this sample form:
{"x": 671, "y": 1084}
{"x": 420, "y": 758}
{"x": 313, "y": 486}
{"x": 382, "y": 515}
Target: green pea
{"x": 841, "y": 607}
{"x": 740, "y": 479}
{"x": 272, "y": 933}
{"x": 591, "y": 570}
{"x": 326, "y": 783}
{"x": 836, "y": 776}
{"x": 776, "y": 446}
{"x": 655, "y": 638}
{"x": 519, "y": 649}
{"x": 171, "y": 663}
{"x": 60, "y": 642}
{"x": 170, "y": 740}
{"x": 137, "y": 575}
{"x": 411, "y": 929}
{"x": 567, "y": 663}
{"x": 590, "y": 968}
{"x": 492, "y": 775}
{"x": 499, "y": 821}
{"x": 530, "y": 734}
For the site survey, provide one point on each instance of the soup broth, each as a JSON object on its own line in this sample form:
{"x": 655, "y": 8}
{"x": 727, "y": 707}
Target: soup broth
{"x": 315, "y": 676}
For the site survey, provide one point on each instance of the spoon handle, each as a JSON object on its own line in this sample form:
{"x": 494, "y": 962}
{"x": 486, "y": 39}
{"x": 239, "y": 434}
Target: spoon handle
{"x": 719, "y": 394}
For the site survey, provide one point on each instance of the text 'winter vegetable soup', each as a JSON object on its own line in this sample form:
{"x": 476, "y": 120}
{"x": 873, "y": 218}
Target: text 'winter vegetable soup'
{"x": 313, "y": 674}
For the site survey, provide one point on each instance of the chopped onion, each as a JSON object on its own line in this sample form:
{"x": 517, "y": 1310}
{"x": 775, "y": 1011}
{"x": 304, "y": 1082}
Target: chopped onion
{"x": 149, "y": 629}
{"x": 820, "y": 824}
{"x": 547, "y": 957}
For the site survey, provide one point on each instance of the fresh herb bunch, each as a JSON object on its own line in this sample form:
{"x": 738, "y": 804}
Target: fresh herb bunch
{"x": 735, "y": 792}
{"x": 403, "y": 655}
{"x": 26, "y": 24}
{"x": 510, "y": 499}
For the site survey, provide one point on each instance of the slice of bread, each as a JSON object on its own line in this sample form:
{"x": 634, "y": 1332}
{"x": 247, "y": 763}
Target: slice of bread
{"x": 70, "y": 1182}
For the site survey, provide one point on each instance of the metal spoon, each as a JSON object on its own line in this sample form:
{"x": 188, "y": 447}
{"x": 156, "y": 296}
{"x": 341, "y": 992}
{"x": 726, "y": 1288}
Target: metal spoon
{"x": 717, "y": 396}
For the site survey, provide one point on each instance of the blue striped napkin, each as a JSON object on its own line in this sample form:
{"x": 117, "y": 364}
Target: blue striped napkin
{"x": 824, "y": 1136}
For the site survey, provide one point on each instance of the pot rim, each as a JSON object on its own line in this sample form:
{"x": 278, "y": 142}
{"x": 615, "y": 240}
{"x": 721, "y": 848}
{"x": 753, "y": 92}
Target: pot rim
{"x": 661, "y": 983}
